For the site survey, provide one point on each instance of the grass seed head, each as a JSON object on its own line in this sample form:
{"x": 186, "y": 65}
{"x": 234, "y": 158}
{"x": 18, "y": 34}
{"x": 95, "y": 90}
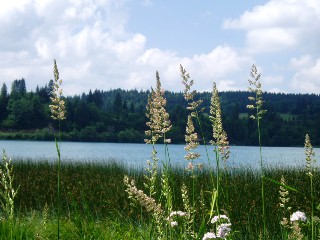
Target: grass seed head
{"x": 220, "y": 138}
{"x": 256, "y": 89}
{"x": 159, "y": 122}
{"x": 57, "y": 107}
{"x": 309, "y": 152}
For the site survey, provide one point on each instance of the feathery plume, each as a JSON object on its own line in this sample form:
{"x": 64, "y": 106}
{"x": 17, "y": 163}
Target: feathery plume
{"x": 220, "y": 138}
{"x": 57, "y": 107}
{"x": 309, "y": 152}
{"x": 159, "y": 122}
{"x": 257, "y": 99}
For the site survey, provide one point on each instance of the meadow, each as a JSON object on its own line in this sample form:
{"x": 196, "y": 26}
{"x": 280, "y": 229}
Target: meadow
{"x": 95, "y": 204}
{"x": 107, "y": 200}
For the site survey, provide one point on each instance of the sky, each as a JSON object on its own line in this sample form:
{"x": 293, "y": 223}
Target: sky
{"x": 109, "y": 44}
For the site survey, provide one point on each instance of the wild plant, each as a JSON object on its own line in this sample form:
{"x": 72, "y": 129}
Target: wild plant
{"x": 297, "y": 220}
{"x": 284, "y": 207}
{"x": 220, "y": 140}
{"x": 222, "y": 228}
{"x": 159, "y": 124}
{"x": 192, "y": 141}
{"x": 58, "y": 112}
{"x": 7, "y": 191}
{"x": 258, "y": 113}
{"x": 149, "y": 203}
{"x": 172, "y": 224}
{"x": 310, "y": 160}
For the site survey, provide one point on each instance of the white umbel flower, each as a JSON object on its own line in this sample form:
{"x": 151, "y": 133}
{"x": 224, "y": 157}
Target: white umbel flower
{"x": 223, "y": 230}
{"x": 209, "y": 235}
{"x": 218, "y": 218}
{"x": 298, "y": 216}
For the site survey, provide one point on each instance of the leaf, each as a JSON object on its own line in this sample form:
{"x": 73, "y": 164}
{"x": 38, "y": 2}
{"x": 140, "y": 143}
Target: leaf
{"x": 280, "y": 184}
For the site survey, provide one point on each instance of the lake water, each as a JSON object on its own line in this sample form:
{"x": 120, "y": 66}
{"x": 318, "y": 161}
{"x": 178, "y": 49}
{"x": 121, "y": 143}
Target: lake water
{"x": 138, "y": 154}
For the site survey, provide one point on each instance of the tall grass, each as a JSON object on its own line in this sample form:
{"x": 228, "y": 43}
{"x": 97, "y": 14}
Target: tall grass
{"x": 93, "y": 193}
{"x": 57, "y": 113}
{"x": 257, "y": 101}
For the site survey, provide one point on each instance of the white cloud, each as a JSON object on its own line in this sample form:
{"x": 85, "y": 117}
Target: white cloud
{"x": 301, "y": 62}
{"x": 279, "y": 25}
{"x": 220, "y": 65}
{"x": 307, "y": 79}
{"x": 94, "y": 48}
{"x": 273, "y": 80}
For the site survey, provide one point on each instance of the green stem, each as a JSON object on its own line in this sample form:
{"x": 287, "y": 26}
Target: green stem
{"x": 193, "y": 196}
{"x": 312, "y": 207}
{"x": 218, "y": 177}
{"x": 59, "y": 180}
{"x": 262, "y": 177}
{"x": 205, "y": 146}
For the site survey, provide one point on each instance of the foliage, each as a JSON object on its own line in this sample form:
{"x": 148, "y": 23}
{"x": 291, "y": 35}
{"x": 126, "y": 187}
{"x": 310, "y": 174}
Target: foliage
{"x": 288, "y": 116}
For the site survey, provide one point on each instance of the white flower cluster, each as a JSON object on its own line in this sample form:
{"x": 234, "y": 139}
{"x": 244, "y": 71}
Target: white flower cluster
{"x": 175, "y": 216}
{"x": 178, "y": 213}
{"x": 209, "y": 235}
{"x": 218, "y": 218}
{"x": 223, "y": 228}
{"x": 298, "y": 216}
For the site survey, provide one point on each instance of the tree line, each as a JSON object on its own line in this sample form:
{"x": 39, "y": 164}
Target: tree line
{"x": 119, "y": 116}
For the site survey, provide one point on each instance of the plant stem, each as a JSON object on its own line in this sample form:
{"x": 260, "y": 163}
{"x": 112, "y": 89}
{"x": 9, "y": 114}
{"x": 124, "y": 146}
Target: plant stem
{"x": 59, "y": 180}
{"x": 262, "y": 176}
{"x": 312, "y": 208}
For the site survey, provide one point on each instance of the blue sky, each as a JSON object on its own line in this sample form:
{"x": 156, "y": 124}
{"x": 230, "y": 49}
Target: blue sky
{"x": 107, "y": 44}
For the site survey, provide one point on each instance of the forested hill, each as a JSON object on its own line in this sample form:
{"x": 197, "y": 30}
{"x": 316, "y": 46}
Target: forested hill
{"x": 119, "y": 116}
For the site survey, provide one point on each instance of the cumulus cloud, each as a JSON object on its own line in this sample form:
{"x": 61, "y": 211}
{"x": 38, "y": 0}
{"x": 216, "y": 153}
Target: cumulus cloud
{"x": 307, "y": 78}
{"x": 94, "y": 49}
{"x": 280, "y": 24}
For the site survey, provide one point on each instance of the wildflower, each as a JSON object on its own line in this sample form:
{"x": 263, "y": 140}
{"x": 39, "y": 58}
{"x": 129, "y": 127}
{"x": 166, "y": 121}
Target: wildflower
{"x": 178, "y": 213}
{"x": 175, "y": 217}
{"x": 218, "y": 218}
{"x": 174, "y": 224}
{"x": 209, "y": 235}
{"x": 223, "y": 230}
{"x": 223, "y": 227}
{"x": 298, "y": 216}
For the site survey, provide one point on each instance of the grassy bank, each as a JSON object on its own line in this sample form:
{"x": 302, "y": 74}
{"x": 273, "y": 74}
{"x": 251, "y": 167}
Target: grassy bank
{"x": 94, "y": 199}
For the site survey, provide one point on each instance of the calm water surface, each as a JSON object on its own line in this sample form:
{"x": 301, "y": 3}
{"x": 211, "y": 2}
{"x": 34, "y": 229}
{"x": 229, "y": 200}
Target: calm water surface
{"x": 138, "y": 154}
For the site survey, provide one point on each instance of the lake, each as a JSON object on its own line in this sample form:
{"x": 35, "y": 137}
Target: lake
{"x": 137, "y": 154}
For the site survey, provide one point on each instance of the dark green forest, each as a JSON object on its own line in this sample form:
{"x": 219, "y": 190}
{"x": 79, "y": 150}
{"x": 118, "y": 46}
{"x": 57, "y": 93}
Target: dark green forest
{"x": 119, "y": 116}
